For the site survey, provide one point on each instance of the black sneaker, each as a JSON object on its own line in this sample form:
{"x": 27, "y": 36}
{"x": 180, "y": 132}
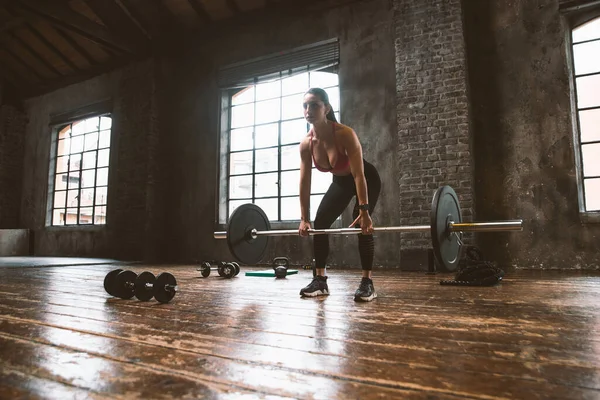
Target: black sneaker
{"x": 318, "y": 287}
{"x": 366, "y": 290}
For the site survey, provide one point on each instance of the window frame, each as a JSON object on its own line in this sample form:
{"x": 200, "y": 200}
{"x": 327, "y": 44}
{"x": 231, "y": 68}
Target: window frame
{"x": 224, "y": 152}
{"x": 57, "y": 123}
{"x": 573, "y": 23}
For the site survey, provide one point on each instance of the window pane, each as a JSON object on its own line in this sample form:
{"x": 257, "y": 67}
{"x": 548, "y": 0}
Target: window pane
{"x": 592, "y": 194}
{"x": 242, "y": 116}
{"x": 105, "y": 123}
{"x": 240, "y": 163}
{"x": 91, "y": 124}
{"x": 77, "y": 144}
{"x": 63, "y": 147}
{"x": 65, "y": 132}
{"x": 293, "y": 131}
{"x": 295, "y": 84}
{"x": 290, "y": 208}
{"x": 78, "y": 128}
{"x": 591, "y": 159}
{"x": 233, "y": 204}
{"x": 62, "y": 164}
{"x": 240, "y": 187}
{"x": 266, "y": 135}
{"x": 91, "y": 141}
{"x": 89, "y": 160}
{"x": 88, "y": 178}
{"x": 85, "y": 215}
{"x": 100, "y": 217}
{"x": 241, "y": 139}
{"x": 589, "y": 123}
{"x": 323, "y": 79}
{"x": 104, "y": 139}
{"x": 334, "y": 98}
{"x": 588, "y": 91}
{"x": 103, "y": 157}
{"x": 265, "y": 185}
{"x": 290, "y": 183}
{"x": 58, "y": 217}
{"x": 74, "y": 162}
{"x": 268, "y": 111}
{"x": 290, "y": 157}
{"x": 87, "y": 197}
{"x": 270, "y": 207}
{"x": 61, "y": 182}
{"x": 267, "y": 160}
{"x": 71, "y": 217}
{"x": 72, "y": 197}
{"x": 589, "y": 30}
{"x": 320, "y": 181}
{"x": 101, "y": 195}
{"x": 314, "y": 205}
{"x": 245, "y": 95}
{"x": 102, "y": 177}
{"x": 60, "y": 198}
{"x": 587, "y": 57}
{"x": 268, "y": 90}
{"x": 337, "y": 116}
{"x": 74, "y": 180}
{"x": 291, "y": 107}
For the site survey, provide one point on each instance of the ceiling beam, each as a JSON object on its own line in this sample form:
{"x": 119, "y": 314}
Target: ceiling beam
{"x": 12, "y": 24}
{"x": 51, "y": 47}
{"x": 34, "y": 53}
{"x": 77, "y": 47}
{"x": 21, "y": 62}
{"x": 201, "y": 11}
{"x": 120, "y": 24}
{"x": 63, "y": 17}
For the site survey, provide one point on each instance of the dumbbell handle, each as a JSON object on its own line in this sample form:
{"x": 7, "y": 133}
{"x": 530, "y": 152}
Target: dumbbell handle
{"x": 168, "y": 288}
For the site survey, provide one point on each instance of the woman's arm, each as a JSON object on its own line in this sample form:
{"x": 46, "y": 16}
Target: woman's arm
{"x": 305, "y": 179}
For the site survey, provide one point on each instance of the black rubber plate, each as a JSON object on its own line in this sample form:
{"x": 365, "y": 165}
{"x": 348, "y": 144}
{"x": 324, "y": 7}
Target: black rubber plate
{"x": 445, "y": 208}
{"x": 124, "y": 283}
{"x": 142, "y": 292}
{"x": 109, "y": 282}
{"x": 162, "y": 280}
{"x": 243, "y": 219}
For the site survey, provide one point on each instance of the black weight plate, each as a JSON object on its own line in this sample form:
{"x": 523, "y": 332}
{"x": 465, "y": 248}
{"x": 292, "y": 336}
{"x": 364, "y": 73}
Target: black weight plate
{"x": 227, "y": 271}
{"x": 142, "y": 292}
{"x": 161, "y": 294}
{"x": 243, "y": 219}
{"x": 109, "y": 282}
{"x": 446, "y": 247}
{"x": 205, "y": 269}
{"x": 124, "y": 284}
{"x": 237, "y": 268}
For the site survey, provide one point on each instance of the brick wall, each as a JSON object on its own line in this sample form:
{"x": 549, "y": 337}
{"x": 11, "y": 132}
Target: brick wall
{"x": 12, "y": 133}
{"x": 432, "y": 109}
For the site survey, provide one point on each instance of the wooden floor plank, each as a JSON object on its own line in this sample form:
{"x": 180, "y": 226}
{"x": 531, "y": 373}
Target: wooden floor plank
{"x": 521, "y": 339}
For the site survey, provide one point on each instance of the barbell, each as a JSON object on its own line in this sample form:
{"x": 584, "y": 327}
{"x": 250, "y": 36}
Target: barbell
{"x": 249, "y": 229}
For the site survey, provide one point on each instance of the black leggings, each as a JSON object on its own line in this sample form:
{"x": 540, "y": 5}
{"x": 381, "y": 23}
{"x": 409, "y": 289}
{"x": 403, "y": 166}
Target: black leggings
{"x": 335, "y": 201}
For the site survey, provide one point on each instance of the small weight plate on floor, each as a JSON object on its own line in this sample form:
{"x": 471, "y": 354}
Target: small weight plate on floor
{"x": 142, "y": 292}
{"x": 228, "y": 271}
{"x": 241, "y": 244}
{"x": 237, "y": 268}
{"x": 124, "y": 284}
{"x": 445, "y": 208}
{"x": 109, "y": 282}
{"x": 162, "y": 280}
{"x": 205, "y": 269}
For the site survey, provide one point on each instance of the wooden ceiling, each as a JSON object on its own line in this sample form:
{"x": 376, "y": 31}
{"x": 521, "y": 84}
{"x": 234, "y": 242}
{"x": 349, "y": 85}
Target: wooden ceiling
{"x": 47, "y": 44}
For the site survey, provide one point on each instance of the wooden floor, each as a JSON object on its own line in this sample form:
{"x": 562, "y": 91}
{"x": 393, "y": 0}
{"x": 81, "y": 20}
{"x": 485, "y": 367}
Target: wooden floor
{"x": 535, "y": 336}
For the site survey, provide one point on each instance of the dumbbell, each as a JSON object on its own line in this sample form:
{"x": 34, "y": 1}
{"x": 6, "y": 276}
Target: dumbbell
{"x": 226, "y": 270}
{"x": 163, "y": 288}
{"x": 280, "y": 265}
{"x": 119, "y": 283}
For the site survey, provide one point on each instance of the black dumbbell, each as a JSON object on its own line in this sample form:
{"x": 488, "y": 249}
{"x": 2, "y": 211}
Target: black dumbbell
{"x": 226, "y": 270}
{"x": 280, "y": 265}
{"x": 163, "y": 288}
{"x": 119, "y": 283}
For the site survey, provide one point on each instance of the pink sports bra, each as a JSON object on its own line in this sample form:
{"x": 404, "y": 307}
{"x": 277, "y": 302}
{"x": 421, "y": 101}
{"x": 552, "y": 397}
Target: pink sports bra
{"x": 342, "y": 160}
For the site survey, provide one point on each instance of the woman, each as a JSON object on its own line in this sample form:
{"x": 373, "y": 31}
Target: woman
{"x": 335, "y": 148}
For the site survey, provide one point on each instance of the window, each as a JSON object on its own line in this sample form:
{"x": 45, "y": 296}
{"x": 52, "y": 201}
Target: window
{"x": 586, "y": 68}
{"x": 265, "y": 124}
{"x": 80, "y": 174}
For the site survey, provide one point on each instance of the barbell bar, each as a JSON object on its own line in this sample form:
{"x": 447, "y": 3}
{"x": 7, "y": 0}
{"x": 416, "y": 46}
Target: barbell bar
{"x": 249, "y": 228}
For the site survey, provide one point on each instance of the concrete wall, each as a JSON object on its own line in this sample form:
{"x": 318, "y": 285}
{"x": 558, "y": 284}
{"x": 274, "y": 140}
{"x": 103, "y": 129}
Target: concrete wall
{"x": 132, "y": 195}
{"x": 523, "y": 137}
{"x": 14, "y": 242}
